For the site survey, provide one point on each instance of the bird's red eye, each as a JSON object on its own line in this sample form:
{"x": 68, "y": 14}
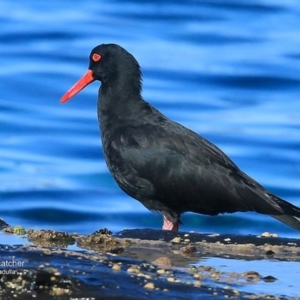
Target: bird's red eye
{"x": 96, "y": 57}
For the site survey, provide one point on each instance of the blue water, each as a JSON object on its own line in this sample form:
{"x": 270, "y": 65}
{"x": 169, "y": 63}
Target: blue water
{"x": 229, "y": 70}
{"x": 286, "y": 273}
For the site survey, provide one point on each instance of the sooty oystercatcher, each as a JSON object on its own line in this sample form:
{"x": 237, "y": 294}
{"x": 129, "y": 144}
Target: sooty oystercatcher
{"x": 166, "y": 166}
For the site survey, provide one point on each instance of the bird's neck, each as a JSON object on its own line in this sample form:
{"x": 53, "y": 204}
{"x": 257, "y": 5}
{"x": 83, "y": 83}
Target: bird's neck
{"x": 119, "y": 101}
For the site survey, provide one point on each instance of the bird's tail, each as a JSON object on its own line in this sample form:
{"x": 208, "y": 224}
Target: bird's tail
{"x": 290, "y": 215}
{"x": 289, "y": 220}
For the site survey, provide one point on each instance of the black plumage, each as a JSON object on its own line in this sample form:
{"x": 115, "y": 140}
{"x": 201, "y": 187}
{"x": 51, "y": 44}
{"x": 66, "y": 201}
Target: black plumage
{"x": 164, "y": 165}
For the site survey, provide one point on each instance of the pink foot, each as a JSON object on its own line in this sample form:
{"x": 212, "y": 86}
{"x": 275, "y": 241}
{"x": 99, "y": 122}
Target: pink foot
{"x": 169, "y": 225}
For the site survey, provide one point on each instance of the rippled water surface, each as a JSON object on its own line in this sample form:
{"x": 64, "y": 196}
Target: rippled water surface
{"x": 229, "y": 70}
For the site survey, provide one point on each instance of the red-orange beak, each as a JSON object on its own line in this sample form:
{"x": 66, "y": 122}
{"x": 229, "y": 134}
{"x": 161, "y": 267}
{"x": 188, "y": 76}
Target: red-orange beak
{"x": 86, "y": 79}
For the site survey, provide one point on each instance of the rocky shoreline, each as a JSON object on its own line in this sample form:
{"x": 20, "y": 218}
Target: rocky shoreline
{"x": 136, "y": 264}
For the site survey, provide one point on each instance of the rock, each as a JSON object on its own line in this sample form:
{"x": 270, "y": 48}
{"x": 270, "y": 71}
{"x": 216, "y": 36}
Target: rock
{"x": 163, "y": 261}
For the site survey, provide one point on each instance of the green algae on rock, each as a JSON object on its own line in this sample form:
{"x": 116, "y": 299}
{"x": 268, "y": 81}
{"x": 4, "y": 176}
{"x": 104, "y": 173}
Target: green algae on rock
{"x": 18, "y": 229}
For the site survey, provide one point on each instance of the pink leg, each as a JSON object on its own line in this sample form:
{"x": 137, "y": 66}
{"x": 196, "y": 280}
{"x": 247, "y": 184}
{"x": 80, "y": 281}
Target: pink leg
{"x": 169, "y": 225}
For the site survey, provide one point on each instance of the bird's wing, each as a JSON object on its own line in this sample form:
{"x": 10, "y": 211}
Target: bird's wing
{"x": 176, "y": 168}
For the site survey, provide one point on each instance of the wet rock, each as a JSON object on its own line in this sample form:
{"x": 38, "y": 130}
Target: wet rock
{"x": 133, "y": 269}
{"x": 50, "y": 238}
{"x": 252, "y": 275}
{"x": 100, "y": 240}
{"x": 39, "y": 284}
{"x": 163, "y": 261}
{"x": 215, "y": 275}
{"x": 198, "y": 276}
{"x": 161, "y": 271}
{"x": 188, "y": 250}
{"x": 116, "y": 267}
{"x": 176, "y": 240}
{"x": 193, "y": 269}
{"x": 222, "y": 245}
{"x": 268, "y": 234}
{"x": 102, "y": 237}
{"x": 269, "y": 278}
{"x": 149, "y": 286}
{"x": 206, "y": 269}
{"x": 19, "y": 230}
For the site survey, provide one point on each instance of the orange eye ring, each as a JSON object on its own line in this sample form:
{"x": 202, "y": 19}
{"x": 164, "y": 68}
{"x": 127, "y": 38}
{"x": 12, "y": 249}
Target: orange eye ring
{"x": 96, "y": 57}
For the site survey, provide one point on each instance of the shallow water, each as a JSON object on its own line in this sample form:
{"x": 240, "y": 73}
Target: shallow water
{"x": 286, "y": 274}
{"x": 229, "y": 71}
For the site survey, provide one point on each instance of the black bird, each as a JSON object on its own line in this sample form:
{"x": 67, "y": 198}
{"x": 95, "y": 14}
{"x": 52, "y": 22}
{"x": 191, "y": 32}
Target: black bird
{"x": 166, "y": 166}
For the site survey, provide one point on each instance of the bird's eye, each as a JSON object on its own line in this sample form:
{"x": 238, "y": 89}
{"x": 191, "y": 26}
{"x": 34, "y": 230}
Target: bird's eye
{"x": 96, "y": 57}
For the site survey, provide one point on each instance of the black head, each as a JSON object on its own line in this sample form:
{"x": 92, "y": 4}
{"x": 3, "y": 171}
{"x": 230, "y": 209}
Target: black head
{"x": 107, "y": 63}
